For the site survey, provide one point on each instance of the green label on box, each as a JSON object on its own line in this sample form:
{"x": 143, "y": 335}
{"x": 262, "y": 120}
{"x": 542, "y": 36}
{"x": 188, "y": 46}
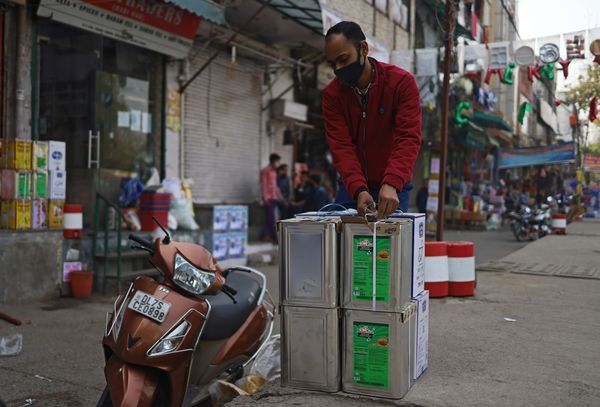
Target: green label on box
{"x": 370, "y": 354}
{"x": 23, "y": 185}
{"x": 362, "y": 268}
{"x": 41, "y": 185}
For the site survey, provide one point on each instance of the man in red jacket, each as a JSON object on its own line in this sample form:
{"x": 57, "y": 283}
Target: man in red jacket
{"x": 372, "y": 120}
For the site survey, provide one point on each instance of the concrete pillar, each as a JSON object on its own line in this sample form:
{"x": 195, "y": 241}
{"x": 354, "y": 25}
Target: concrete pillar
{"x": 21, "y": 98}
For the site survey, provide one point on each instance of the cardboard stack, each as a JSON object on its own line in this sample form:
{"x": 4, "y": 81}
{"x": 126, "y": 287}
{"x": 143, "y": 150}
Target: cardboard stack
{"x": 32, "y": 184}
{"x": 364, "y": 319}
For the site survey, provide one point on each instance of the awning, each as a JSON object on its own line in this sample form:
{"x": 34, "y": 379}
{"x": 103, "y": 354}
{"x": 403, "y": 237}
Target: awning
{"x": 202, "y": 8}
{"x": 475, "y": 137}
{"x": 488, "y": 120}
{"x": 525, "y": 157}
{"x": 304, "y": 12}
{"x": 502, "y": 135}
{"x": 440, "y": 9}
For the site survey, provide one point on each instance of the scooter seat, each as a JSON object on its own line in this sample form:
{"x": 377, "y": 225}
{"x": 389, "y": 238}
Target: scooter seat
{"x": 226, "y": 317}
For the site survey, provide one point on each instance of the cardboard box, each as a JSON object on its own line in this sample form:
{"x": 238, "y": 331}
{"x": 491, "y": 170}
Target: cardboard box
{"x": 56, "y": 213}
{"x": 15, "y": 184}
{"x": 4, "y": 209}
{"x": 421, "y": 349}
{"x": 39, "y": 214}
{"x": 418, "y": 249}
{"x": 39, "y": 159}
{"x": 18, "y": 155}
{"x": 57, "y": 185}
{"x": 19, "y": 214}
{"x": 39, "y": 184}
{"x": 57, "y": 151}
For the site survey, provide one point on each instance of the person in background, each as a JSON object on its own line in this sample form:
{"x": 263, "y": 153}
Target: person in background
{"x": 319, "y": 197}
{"x": 285, "y": 187}
{"x": 271, "y": 196}
{"x": 422, "y": 197}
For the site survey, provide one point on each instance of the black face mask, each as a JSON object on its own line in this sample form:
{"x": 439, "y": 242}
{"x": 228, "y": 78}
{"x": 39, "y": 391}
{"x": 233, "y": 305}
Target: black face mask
{"x": 351, "y": 73}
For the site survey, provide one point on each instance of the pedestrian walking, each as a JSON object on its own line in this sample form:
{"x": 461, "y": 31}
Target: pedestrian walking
{"x": 372, "y": 117}
{"x": 271, "y": 196}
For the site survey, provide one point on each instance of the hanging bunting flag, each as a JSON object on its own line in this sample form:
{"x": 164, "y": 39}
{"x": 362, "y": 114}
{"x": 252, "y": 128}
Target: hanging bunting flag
{"x": 593, "y": 109}
{"x": 534, "y": 71}
{"x": 575, "y": 45}
{"x": 549, "y": 53}
{"x": 498, "y": 52}
{"x": 460, "y": 118}
{"x": 547, "y": 71}
{"x": 565, "y": 66}
{"x": 525, "y": 56}
{"x": 490, "y": 72}
{"x": 525, "y": 108}
{"x": 507, "y": 78}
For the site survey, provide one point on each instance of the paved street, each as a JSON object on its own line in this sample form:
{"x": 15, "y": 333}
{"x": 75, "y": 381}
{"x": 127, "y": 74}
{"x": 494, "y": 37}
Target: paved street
{"x": 549, "y": 356}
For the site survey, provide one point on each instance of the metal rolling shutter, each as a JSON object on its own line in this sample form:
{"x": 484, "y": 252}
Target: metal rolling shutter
{"x": 227, "y": 172}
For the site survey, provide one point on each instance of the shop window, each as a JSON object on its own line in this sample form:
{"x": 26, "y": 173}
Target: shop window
{"x": 92, "y": 83}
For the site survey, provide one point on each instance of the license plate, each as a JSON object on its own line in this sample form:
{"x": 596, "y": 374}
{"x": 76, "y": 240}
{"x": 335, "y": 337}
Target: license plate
{"x": 149, "y": 306}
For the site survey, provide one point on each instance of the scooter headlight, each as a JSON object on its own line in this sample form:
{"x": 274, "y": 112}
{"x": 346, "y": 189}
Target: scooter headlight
{"x": 172, "y": 341}
{"x": 190, "y": 278}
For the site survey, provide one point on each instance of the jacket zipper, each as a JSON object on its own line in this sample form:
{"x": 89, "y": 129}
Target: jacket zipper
{"x": 364, "y": 136}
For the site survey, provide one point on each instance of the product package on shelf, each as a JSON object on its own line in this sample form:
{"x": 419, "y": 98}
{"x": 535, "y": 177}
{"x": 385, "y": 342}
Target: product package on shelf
{"x": 19, "y": 214}
{"x": 17, "y": 155}
{"x": 57, "y": 152}
{"x": 15, "y": 184}
{"x": 56, "y": 213}
{"x": 40, "y": 184}
{"x": 39, "y": 213}
{"x": 39, "y": 158}
{"x": 57, "y": 185}
{"x": 4, "y": 211}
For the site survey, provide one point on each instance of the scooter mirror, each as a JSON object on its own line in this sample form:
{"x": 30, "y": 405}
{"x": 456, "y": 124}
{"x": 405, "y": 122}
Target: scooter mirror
{"x": 167, "y": 238}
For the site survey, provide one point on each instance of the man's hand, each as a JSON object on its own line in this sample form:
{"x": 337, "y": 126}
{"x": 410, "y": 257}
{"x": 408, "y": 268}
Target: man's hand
{"x": 365, "y": 203}
{"x": 388, "y": 201}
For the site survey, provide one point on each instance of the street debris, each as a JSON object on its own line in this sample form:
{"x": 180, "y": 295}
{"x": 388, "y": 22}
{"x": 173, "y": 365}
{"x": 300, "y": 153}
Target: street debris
{"x": 37, "y": 376}
{"x": 28, "y": 402}
{"x": 11, "y": 345}
{"x": 509, "y": 319}
{"x": 10, "y": 319}
{"x": 268, "y": 361}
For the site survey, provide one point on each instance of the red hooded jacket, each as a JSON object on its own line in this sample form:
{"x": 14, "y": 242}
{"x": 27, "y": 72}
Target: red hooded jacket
{"x": 380, "y": 144}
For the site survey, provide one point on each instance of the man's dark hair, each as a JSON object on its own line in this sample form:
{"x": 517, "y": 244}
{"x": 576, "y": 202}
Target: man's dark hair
{"x": 274, "y": 157}
{"x": 305, "y": 173}
{"x": 316, "y": 179}
{"x": 348, "y": 29}
{"x": 282, "y": 167}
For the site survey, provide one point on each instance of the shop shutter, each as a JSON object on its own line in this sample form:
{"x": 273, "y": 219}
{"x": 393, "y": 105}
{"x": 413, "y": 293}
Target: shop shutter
{"x": 223, "y": 161}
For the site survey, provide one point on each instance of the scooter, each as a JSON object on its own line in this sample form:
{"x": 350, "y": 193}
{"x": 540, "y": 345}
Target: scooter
{"x": 522, "y": 225}
{"x": 166, "y": 340}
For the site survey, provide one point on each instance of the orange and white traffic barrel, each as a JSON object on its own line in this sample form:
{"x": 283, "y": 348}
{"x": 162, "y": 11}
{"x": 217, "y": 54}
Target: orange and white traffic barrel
{"x": 559, "y": 224}
{"x": 461, "y": 269}
{"x": 436, "y": 269}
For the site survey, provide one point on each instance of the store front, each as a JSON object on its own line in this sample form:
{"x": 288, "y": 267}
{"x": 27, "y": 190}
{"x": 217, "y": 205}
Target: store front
{"x": 101, "y": 88}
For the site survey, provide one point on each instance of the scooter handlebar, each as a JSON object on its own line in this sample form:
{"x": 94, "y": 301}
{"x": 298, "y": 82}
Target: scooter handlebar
{"x": 142, "y": 242}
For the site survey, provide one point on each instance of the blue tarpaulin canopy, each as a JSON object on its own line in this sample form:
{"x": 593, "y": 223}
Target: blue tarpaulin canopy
{"x": 202, "y": 8}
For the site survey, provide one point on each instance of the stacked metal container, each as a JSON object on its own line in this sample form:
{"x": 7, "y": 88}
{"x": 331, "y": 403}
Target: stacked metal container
{"x": 380, "y": 325}
{"x": 327, "y": 277}
{"x": 309, "y": 273}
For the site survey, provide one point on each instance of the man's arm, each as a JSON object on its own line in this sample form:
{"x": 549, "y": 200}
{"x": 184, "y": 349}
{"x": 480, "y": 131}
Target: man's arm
{"x": 407, "y": 134}
{"x": 343, "y": 149}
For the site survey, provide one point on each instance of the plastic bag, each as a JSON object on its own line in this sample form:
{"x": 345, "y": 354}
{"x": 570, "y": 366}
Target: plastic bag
{"x": 172, "y": 186}
{"x": 154, "y": 179}
{"x": 132, "y": 219}
{"x": 131, "y": 190}
{"x": 172, "y": 221}
{"x": 183, "y": 213}
{"x": 268, "y": 362}
{"x": 11, "y": 345}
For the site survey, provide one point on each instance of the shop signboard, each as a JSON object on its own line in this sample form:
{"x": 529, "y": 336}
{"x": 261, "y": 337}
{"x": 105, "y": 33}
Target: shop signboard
{"x": 524, "y": 157}
{"x": 150, "y": 24}
{"x": 591, "y": 163}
